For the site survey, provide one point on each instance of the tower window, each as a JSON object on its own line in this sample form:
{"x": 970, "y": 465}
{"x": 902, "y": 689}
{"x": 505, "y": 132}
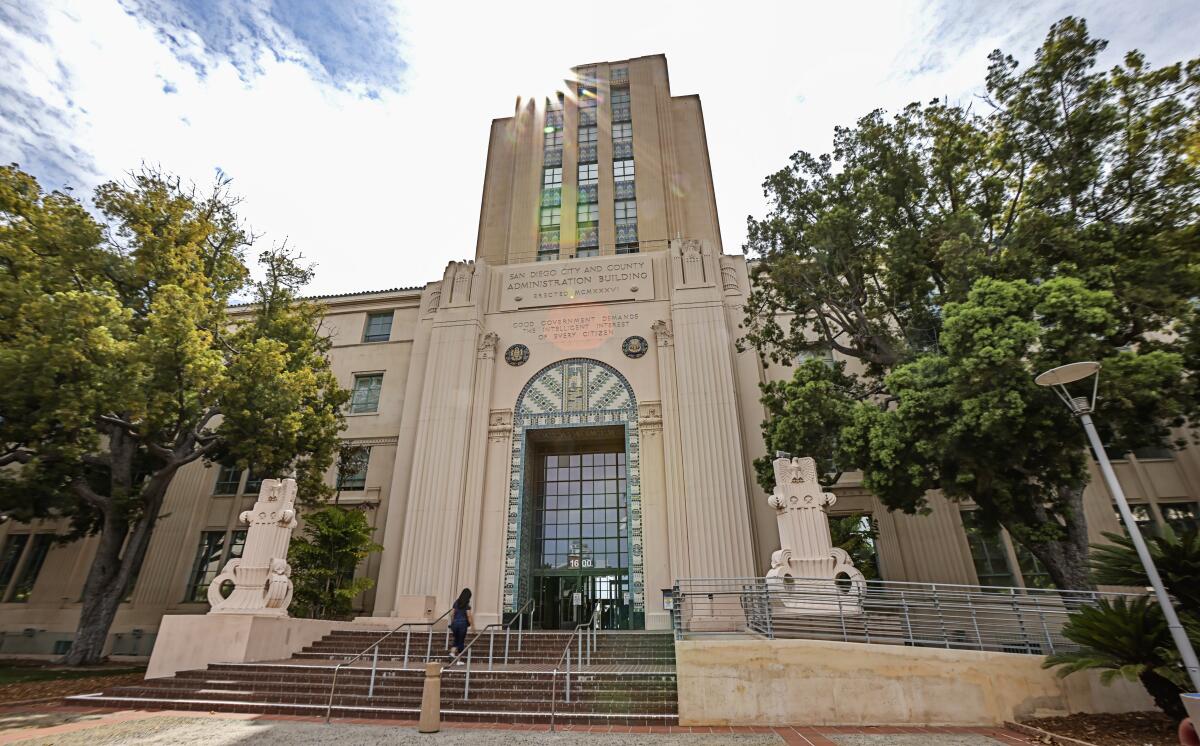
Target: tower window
{"x": 588, "y": 212}
{"x": 587, "y": 135}
{"x": 623, "y": 170}
{"x": 588, "y": 172}
{"x": 552, "y": 177}
{"x": 626, "y": 209}
{"x": 551, "y": 216}
{"x": 553, "y": 138}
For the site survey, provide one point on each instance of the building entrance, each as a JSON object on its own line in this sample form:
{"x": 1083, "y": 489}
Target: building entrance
{"x": 580, "y": 527}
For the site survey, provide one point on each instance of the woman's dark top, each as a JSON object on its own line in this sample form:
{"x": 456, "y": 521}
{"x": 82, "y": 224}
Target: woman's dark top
{"x": 460, "y": 615}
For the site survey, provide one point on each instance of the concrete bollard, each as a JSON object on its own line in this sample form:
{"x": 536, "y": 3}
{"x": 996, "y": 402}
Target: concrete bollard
{"x": 431, "y": 699}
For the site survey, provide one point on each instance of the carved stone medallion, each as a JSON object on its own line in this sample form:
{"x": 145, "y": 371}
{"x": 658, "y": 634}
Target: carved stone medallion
{"x": 516, "y": 354}
{"x": 634, "y": 347}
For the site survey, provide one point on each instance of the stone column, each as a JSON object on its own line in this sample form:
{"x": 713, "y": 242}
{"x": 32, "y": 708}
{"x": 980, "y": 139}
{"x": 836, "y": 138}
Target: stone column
{"x": 261, "y": 576}
{"x": 397, "y": 505}
{"x": 655, "y": 516}
{"x": 675, "y": 503}
{"x": 489, "y": 593}
{"x": 718, "y": 512}
{"x": 430, "y": 549}
{"x": 472, "y": 498}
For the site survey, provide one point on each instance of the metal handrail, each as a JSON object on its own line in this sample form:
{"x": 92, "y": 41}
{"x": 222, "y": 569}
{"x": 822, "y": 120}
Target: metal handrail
{"x": 592, "y": 623}
{"x": 1028, "y": 620}
{"x": 374, "y": 662}
{"x": 507, "y": 626}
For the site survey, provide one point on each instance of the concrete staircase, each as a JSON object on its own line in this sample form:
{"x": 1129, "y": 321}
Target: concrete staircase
{"x": 630, "y": 680}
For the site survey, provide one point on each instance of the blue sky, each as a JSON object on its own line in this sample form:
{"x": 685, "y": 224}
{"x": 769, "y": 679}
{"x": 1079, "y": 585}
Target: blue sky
{"x": 357, "y": 129}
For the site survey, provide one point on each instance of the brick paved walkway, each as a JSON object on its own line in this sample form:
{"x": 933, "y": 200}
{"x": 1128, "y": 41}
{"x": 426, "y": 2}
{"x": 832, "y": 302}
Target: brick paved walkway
{"x": 59, "y": 724}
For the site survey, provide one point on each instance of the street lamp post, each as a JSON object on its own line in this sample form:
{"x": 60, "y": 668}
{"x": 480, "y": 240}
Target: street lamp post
{"x": 1081, "y": 407}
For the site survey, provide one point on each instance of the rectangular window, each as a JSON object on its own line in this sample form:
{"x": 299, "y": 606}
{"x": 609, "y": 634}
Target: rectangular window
{"x": 623, "y": 170}
{"x": 365, "y": 396}
{"x": 206, "y": 566}
{"x": 553, "y": 138}
{"x": 587, "y": 96}
{"x": 987, "y": 552}
{"x": 32, "y": 568}
{"x": 552, "y": 177}
{"x": 587, "y": 136}
{"x": 228, "y": 480}
{"x": 628, "y": 249}
{"x": 619, "y": 74}
{"x": 379, "y": 327}
{"x": 1180, "y": 516}
{"x": 1033, "y": 572}
{"x": 355, "y": 478}
{"x": 10, "y": 557}
{"x": 254, "y": 482}
{"x": 586, "y": 252}
{"x": 588, "y": 173}
{"x": 1141, "y": 516}
{"x": 588, "y": 213}
{"x": 551, "y": 216}
{"x": 1154, "y": 453}
{"x": 626, "y": 209}
{"x": 237, "y": 544}
{"x": 620, "y": 96}
{"x": 622, "y": 131}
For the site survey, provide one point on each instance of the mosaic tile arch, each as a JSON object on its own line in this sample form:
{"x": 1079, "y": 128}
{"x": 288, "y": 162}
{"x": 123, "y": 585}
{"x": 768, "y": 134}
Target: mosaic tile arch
{"x": 576, "y": 392}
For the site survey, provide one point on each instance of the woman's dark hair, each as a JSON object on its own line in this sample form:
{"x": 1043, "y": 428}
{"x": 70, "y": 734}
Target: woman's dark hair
{"x": 464, "y": 599}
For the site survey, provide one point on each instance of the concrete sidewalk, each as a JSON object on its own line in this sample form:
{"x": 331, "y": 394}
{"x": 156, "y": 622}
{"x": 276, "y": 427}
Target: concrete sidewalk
{"x": 65, "y": 726}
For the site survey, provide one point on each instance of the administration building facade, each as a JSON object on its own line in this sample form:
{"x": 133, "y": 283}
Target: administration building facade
{"x": 565, "y": 419}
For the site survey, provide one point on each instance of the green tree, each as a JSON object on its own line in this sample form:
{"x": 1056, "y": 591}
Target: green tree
{"x": 122, "y": 366}
{"x": 856, "y": 534}
{"x": 334, "y": 541}
{"x": 948, "y": 255}
{"x": 1130, "y": 640}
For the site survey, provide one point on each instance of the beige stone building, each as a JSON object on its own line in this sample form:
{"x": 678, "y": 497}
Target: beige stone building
{"x": 563, "y": 420}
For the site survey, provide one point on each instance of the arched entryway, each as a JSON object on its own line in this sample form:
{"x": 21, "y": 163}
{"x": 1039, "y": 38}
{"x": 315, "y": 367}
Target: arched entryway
{"x": 574, "y": 536}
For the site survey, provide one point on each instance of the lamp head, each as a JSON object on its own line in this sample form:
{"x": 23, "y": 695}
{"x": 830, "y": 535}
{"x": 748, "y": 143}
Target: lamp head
{"x": 1064, "y": 374}
{"x": 1058, "y": 378}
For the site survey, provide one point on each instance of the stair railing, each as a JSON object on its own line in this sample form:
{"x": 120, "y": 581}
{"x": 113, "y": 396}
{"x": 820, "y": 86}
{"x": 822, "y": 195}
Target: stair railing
{"x": 587, "y": 631}
{"x": 408, "y": 626}
{"x": 490, "y": 630}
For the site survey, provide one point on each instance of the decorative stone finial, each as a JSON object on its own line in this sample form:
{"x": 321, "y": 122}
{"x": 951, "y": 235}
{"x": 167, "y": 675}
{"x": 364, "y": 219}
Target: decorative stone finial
{"x": 807, "y": 556}
{"x": 261, "y": 576}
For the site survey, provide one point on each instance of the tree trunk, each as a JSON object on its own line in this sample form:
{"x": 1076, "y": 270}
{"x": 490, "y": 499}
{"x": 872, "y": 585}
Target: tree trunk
{"x": 1165, "y": 694}
{"x": 112, "y": 569}
{"x": 1066, "y": 560}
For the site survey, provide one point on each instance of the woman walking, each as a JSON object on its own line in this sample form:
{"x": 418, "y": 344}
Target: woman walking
{"x": 461, "y": 620}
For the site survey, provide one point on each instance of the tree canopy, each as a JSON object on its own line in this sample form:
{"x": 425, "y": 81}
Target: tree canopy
{"x": 948, "y": 253}
{"x": 122, "y": 364}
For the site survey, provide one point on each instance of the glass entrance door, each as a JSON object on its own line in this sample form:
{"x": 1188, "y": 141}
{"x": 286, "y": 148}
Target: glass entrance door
{"x": 581, "y": 542}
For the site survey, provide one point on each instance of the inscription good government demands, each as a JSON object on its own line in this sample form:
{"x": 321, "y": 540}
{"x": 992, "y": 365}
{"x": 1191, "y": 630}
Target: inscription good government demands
{"x": 577, "y": 281}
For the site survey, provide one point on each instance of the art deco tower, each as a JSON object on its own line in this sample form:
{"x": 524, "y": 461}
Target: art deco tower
{"x": 613, "y": 165}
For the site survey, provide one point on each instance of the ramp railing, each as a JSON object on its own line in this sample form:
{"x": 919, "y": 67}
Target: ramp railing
{"x": 1001, "y": 619}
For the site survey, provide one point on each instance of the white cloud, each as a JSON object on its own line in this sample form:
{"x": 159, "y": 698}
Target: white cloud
{"x": 383, "y": 191}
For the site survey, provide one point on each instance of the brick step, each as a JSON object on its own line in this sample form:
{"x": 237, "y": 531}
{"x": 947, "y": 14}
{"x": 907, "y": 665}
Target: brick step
{"x": 291, "y": 669}
{"x": 449, "y": 712}
{"x": 525, "y": 690}
{"x": 391, "y": 688}
{"x": 481, "y": 702}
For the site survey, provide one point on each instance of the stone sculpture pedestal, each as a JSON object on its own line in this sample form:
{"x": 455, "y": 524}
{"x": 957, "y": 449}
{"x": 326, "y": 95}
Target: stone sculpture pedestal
{"x": 261, "y": 576}
{"x": 808, "y": 574}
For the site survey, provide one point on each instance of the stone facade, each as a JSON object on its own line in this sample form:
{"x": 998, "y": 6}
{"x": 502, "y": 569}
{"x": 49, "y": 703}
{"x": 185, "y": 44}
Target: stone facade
{"x": 504, "y": 359}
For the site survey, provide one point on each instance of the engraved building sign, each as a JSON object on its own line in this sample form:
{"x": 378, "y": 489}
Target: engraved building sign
{"x": 603, "y": 280}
